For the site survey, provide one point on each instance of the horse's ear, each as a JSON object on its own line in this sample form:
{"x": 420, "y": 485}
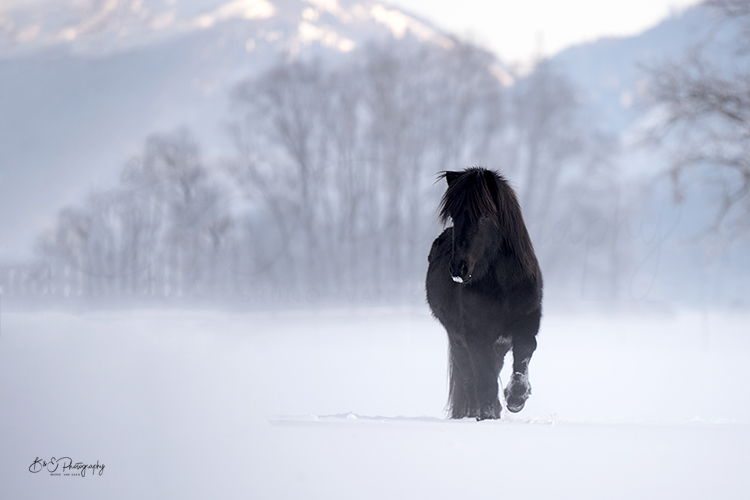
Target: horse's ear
{"x": 491, "y": 181}
{"x": 451, "y": 176}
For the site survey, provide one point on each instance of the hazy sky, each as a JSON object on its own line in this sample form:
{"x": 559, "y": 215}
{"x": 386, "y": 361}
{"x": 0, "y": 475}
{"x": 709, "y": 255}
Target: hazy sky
{"x": 515, "y": 30}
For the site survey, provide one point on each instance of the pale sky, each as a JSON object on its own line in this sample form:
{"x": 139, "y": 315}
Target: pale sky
{"x": 516, "y": 30}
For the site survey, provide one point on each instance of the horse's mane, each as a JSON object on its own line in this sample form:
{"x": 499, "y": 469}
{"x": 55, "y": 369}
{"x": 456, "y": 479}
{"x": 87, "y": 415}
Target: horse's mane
{"x": 478, "y": 193}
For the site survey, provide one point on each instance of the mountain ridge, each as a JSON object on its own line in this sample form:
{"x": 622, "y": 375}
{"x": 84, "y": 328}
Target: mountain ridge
{"x": 122, "y": 25}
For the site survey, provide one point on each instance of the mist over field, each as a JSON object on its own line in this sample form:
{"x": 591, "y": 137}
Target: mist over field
{"x": 215, "y": 219}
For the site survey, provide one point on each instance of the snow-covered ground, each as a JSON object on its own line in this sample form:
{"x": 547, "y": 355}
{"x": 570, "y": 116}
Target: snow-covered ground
{"x": 347, "y": 404}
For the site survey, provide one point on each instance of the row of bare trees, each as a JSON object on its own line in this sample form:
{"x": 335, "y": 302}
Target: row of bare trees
{"x": 330, "y": 189}
{"x": 153, "y": 235}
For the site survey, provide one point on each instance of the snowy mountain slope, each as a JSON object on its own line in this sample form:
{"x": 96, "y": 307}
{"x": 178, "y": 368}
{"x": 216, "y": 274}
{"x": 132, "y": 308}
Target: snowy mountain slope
{"x": 611, "y": 73}
{"x": 103, "y": 27}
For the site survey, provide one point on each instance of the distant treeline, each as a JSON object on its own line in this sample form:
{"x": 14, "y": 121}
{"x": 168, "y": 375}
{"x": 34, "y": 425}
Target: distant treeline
{"x": 330, "y": 190}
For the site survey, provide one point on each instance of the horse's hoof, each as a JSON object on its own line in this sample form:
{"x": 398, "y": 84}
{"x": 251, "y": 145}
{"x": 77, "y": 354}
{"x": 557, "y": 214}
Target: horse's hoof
{"x": 517, "y": 392}
{"x": 487, "y": 416}
{"x": 516, "y": 409}
{"x": 489, "y": 412}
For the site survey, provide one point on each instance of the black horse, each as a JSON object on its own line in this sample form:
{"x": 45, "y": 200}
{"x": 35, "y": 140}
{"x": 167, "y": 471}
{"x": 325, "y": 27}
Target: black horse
{"x": 485, "y": 286}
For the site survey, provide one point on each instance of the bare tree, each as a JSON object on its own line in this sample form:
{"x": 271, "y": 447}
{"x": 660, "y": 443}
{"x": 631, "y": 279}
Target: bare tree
{"x": 546, "y": 135}
{"x": 703, "y": 105}
{"x": 567, "y": 179}
{"x": 284, "y": 107}
{"x": 171, "y": 181}
{"x": 151, "y": 235}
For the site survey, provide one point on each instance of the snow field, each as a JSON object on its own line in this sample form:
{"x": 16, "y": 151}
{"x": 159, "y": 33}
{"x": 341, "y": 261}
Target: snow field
{"x": 349, "y": 404}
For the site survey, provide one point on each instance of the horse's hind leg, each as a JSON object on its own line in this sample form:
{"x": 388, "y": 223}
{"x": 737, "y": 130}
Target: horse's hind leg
{"x": 524, "y": 345}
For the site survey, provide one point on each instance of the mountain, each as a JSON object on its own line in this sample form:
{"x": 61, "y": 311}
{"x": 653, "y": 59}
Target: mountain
{"x": 611, "y": 73}
{"x": 106, "y": 26}
{"x": 82, "y": 84}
